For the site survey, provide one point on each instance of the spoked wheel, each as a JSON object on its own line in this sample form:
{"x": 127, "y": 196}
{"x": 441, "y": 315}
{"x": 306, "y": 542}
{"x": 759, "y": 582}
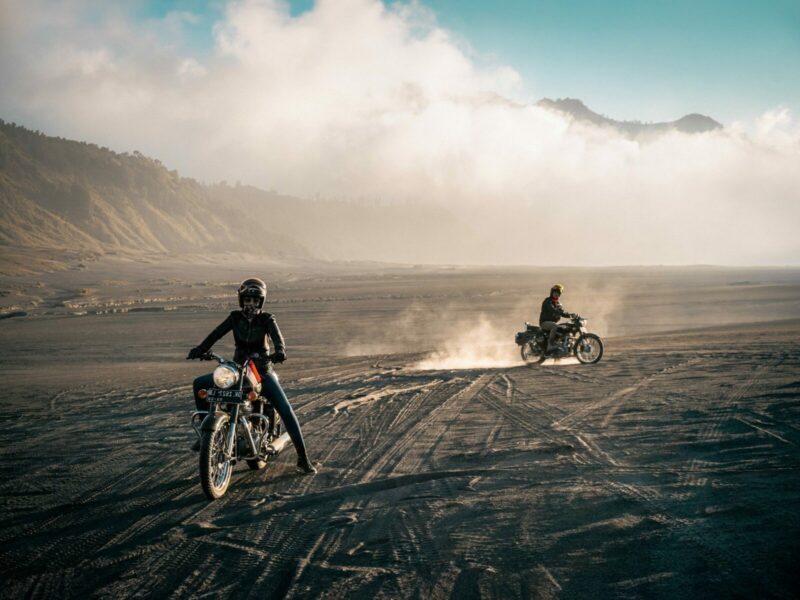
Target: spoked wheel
{"x": 589, "y": 349}
{"x": 215, "y": 467}
{"x": 531, "y": 353}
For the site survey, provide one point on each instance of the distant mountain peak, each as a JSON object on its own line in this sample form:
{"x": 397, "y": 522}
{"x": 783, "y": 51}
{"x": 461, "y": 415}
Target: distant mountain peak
{"x": 696, "y": 122}
{"x": 691, "y": 123}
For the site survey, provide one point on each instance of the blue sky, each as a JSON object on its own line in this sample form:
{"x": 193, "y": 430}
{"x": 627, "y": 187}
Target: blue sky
{"x": 731, "y": 59}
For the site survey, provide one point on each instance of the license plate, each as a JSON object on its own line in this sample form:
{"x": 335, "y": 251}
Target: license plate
{"x": 225, "y": 395}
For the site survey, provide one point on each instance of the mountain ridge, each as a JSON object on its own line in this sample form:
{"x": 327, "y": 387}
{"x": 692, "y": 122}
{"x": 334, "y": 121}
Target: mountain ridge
{"x": 60, "y": 195}
{"x": 63, "y": 196}
{"x": 692, "y": 123}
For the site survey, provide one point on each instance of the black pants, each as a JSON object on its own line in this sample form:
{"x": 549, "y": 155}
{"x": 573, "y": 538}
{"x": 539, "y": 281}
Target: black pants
{"x": 272, "y": 391}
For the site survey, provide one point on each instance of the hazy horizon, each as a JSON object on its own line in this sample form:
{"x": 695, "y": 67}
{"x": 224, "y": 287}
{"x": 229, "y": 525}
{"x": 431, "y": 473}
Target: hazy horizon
{"x": 359, "y": 100}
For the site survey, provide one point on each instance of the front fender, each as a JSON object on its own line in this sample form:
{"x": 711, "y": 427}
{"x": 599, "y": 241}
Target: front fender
{"x": 213, "y": 421}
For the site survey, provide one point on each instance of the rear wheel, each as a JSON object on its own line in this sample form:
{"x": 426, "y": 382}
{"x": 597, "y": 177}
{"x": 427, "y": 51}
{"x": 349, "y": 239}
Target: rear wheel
{"x": 531, "y": 353}
{"x": 215, "y": 467}
{"x": 589, "y": 349}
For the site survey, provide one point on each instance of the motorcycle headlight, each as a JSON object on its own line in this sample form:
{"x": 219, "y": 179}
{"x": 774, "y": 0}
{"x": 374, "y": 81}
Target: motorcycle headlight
{"x": 582, "y": 322}
{"x": 225, "y": 376}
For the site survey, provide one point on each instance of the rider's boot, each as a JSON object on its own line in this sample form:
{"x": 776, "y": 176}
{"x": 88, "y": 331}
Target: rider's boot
{"x": 305, "y": 466}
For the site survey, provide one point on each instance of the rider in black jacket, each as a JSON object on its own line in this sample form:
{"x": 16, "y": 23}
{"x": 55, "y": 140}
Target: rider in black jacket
{"x": 250, "y": 328}
{"x": 551, "y": 312}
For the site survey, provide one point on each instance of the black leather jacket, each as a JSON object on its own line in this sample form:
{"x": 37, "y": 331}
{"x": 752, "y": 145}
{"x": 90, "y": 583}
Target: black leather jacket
{"x": 249, "y": 335}
{"x": 551, "y": 311}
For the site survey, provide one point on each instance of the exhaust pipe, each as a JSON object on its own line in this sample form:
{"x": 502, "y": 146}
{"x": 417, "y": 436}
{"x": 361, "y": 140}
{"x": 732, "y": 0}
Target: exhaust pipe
{"x": 278, "y": 444}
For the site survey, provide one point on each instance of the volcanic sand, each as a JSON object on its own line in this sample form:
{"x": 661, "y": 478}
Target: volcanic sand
{"x": 669, "y": 469}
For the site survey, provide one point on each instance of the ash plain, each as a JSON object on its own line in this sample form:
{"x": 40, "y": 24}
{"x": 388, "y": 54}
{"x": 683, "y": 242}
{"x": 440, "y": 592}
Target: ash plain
{"x": 669, "y": 469}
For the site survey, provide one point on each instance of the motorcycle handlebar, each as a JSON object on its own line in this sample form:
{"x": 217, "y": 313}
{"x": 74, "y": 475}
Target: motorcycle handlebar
{"x": 219, "y": 359}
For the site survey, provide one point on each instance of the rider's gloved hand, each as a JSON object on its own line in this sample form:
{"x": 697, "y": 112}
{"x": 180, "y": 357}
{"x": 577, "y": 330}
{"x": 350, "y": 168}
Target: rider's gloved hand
{"x": 196, "y": 352}
{"x": 278, "y": 357}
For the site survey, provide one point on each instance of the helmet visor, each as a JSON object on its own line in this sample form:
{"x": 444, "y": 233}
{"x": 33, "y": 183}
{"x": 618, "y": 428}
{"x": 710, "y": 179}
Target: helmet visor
{"x": 252, "y": 292}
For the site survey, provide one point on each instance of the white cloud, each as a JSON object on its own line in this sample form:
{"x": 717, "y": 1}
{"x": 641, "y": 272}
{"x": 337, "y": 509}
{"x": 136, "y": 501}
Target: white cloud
{"x": 353, "y": 99}
{"x": 189, "y": 68}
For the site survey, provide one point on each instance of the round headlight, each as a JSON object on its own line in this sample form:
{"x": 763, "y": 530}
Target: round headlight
{"x": 225, "y": 376}
{"x": 583, "y": 321}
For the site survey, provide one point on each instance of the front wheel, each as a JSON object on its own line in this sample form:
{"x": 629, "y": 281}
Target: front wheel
{"x": 589, "y": 349}
{"x": 531, "y": 353}
{"x": 215, "y": 467}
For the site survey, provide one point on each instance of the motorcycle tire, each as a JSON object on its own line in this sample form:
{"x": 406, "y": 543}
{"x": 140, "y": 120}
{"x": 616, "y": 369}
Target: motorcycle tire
{"x": 215, "y": 474}
{"x": 531, "y": 353}
{"x": 596, "y": 353}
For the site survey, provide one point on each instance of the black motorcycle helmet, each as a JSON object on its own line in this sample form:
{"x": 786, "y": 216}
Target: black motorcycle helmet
{"x": 252, "y": 288}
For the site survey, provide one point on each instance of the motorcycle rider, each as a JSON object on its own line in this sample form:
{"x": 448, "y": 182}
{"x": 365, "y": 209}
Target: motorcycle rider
{"x": 250, "y": 327}
{"x": 551, "y": 312}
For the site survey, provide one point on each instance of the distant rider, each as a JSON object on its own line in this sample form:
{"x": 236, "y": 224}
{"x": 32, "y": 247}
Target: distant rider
{"x": 552, "y": 311}
{"x": 250, "y": 327}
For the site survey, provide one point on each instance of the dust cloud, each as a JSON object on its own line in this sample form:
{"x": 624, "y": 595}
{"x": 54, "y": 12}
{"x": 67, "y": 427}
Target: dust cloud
{"x": 449, "y": 335}
{"x": 474, "y": 325}
{"x": 483, "y": 345}
{"x": 598, "y": 302}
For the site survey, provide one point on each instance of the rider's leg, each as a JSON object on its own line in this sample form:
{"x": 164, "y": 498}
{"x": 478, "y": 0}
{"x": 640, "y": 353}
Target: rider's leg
{"x": 552, "y": 327}
{"x": 273, "y": 391}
